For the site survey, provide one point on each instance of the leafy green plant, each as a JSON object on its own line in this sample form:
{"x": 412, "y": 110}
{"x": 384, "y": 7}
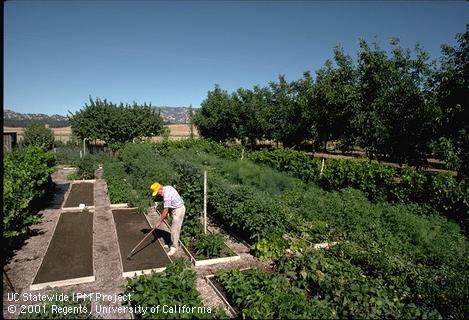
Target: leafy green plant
{"x": 26, "y": 175}
{"x": 86, "y": 166}
{"x": 38, "y": 135}
{"x": 176, "y": 287}
{"x": 262, "y": 295}
{"x": 208, "y": 246}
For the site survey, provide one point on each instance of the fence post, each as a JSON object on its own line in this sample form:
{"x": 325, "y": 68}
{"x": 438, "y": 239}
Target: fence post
{"x": 205, "y": 201}
{"x": 322, "y": 168}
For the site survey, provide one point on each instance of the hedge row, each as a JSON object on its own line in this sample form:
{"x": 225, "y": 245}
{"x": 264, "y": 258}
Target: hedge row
{"x": 441, "y": 193}
{"x": 25, "y": 178}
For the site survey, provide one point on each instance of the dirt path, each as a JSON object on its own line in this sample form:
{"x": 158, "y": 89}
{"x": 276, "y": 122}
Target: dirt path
{"x": 107, "y": 266}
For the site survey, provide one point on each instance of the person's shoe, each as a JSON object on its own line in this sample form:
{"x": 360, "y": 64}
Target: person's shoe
{"x": 166, "y": 247}
{"x": 172, "y": 251}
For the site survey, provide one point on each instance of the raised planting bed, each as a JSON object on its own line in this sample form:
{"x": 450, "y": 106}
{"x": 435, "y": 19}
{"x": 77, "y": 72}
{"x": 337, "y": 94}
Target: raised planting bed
{"x": 257, "y": 294}
{"x": 222, "y": 293}
{"x": 69, "y": 256}
{"x": 80, "y": 193}
{"x": 226, "y": 254}
{"x": 131, "y": 228}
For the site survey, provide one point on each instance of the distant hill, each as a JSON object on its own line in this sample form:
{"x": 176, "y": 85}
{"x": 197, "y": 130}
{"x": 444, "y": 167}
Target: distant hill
{"x": 16, "y": 119}
{"x": 170, "y": 115}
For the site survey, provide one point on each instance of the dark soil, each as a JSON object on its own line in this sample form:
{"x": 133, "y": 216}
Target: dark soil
{"x": 70, "y": 253}
{"x": 82, "y": 192}
{"x": 131, "y": 228}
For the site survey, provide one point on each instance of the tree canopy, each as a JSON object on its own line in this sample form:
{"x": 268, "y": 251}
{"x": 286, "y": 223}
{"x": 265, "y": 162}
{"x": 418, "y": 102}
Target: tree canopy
{"x": 397, "y": 106}
{"x": 103, "y": 120}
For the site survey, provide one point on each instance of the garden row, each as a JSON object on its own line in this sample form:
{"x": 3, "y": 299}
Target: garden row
{"x": 392, "y": 260}
{"x": 380, "y": 183}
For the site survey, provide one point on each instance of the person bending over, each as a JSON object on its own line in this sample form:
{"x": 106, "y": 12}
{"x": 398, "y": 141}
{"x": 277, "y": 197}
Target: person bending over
{"x": 172, "y": 202}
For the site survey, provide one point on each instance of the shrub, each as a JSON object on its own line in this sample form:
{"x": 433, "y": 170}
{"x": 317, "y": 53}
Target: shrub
{"x": 374, "y": 179}
{"x": 26, "y": 173}
{"x": 86, "y": 166}
{"x": 38, "y": 135}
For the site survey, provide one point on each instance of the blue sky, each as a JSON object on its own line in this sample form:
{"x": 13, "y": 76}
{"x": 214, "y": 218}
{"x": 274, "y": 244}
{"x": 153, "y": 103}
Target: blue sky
{"x": 57, "y": 53}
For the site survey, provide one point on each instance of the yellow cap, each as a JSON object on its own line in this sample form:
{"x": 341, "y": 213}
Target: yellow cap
{"x": 155, "y": 187}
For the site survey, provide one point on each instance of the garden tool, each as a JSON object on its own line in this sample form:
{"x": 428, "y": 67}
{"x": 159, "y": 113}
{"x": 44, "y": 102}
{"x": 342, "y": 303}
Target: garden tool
{"x": 131, "y": 252}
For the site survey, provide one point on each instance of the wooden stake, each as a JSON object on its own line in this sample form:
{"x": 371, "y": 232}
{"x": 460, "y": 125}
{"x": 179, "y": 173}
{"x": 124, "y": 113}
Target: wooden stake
{"x": 322, "y": 167}
{"x": 205, "y": 202}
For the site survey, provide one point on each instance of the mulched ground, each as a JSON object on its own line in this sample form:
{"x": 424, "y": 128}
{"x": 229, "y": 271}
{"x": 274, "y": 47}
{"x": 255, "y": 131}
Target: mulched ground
{"x": 23, "y": 266}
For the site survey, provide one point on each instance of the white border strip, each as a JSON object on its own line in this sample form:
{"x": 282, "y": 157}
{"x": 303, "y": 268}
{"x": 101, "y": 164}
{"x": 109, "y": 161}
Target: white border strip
{"x": 118, "y": 205}
{"x": 61, "y": 283}
{"x": 70, "y": 209}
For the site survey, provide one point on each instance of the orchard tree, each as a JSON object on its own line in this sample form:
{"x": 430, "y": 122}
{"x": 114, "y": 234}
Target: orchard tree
{"x": 216, "y": 118}
{"x": 394, "y": 121}
{"x": 114, "y": 124}
{"x": 336, "y": 98}
{"x": 250, "y": 108}
{"x": 451, "y": 83}
{"x": 38, "y": 135}
{"x": 287, "y": 113}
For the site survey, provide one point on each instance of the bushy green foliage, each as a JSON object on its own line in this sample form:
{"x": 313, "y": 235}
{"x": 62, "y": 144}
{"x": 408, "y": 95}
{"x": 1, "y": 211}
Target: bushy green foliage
{"x": 118, "y": 188}
{"x": 115, "y": 124}
{"x": 375, "y": 180}
{"x": 26, "y": 173}
{"x": 86, "y": 166}
{"x": 262, "y": 295}
{"x": 295, "y": 162}
{"x": 209, "y": 245}
{"x": 214, "y": 119}
{"x": 450, "y": 84}
{"x": 38, "y": 135}
{"x": 440, "y": 193}
{"x": 352, "y": 292}
{"x": 177, "y": 287}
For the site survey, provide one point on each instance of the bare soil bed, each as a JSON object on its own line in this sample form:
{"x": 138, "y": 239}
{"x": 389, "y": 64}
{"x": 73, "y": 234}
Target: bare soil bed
{"x": 70, "y": 252}
{"x": 82, "y": 192}
{"x": 131, "y": 228}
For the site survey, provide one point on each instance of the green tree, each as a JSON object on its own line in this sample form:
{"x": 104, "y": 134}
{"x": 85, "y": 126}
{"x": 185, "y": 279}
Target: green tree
{"x": 216, "y": 119}
{"x": 451, "y": 83}
{"x": 287, "y": 112}
{"x": 394, "y": 121}
{"x": 115, "y": 124}
{"x": 336, "y": 100}
{"x": 38, "y": 135}
{"x": 250, "y": 106}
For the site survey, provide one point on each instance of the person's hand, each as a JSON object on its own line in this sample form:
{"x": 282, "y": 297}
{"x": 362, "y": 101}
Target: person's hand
{"x": 157, "y": 224}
